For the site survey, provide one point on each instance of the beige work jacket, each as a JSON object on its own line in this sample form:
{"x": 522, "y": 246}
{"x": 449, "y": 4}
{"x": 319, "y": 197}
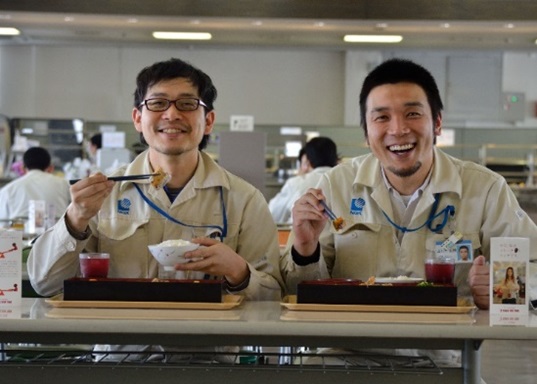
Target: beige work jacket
{"x": 126, "y": 225}
{"x": 485, "y": 207}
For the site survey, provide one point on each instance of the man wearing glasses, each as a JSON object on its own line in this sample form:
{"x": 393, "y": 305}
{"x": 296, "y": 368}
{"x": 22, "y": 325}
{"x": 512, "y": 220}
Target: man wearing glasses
{"x": 174, "y": 115}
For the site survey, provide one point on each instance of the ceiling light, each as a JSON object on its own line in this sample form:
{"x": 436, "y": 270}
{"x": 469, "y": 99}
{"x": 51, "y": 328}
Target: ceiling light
{"x": 182, "y": 35}
{"x": 9, "y": 31}
{"x": 373, "y": 38}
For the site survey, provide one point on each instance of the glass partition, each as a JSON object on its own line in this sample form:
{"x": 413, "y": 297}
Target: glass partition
{"x": 63, "y": 138}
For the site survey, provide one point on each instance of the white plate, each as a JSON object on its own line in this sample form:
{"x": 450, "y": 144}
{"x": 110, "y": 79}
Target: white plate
{"x": 398, "y": 280}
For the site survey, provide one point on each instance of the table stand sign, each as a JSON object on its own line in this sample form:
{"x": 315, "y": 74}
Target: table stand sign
{"x": 10, "y": 273}
{"x": 37, "y": 216}
{"x": 509, "y": 266}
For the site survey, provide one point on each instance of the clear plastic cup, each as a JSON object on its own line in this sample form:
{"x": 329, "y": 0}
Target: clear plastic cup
{"x": 440, "y": 269}
{"x": 94, "y": 265}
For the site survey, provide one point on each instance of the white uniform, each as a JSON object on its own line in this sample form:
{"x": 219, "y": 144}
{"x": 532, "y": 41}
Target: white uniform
{"x": 281, "y": 205}
{"x": 34, "y": 185}
{"x": 126, "y": 225}
{"x": 485, "y": 207}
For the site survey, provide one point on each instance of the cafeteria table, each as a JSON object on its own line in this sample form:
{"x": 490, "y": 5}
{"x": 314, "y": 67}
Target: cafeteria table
{"x": 264, "y": 326}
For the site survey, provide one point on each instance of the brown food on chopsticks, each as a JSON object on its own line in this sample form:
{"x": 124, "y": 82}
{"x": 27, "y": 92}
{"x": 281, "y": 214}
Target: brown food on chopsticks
{"x": 338, "y": 223}
{"x": 160, "y": 179}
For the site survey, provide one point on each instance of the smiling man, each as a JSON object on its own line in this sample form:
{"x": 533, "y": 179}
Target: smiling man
{"x": 402, "y": 201}
{"x": 173, "y": 112}
{"x": 406, "y": 198}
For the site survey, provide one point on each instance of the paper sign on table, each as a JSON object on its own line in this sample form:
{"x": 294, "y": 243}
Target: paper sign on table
{"x": 10, "y": 272}
{"x": 509, "y": 263}
{"x": 37, "y": 216}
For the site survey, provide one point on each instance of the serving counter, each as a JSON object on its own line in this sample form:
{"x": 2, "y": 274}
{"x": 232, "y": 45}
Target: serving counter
{"x": 266, "y": 324}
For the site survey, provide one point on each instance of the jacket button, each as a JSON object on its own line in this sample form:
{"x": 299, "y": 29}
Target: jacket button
{"x": 71, "y": 245}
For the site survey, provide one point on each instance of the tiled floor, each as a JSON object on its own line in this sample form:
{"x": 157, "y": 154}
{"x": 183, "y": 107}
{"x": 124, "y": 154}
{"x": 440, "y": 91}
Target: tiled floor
{"x": 506, "y": 362}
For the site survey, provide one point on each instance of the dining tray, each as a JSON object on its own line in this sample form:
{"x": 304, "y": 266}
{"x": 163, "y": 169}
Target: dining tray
{"x": 140, "y": 290}
{"x": 355, "y": 292}
{"x": 463, "y": 306}
{"x": 227, "y": 302}
{"x": 379, "y": 317}
{"x": 141, "y": 314}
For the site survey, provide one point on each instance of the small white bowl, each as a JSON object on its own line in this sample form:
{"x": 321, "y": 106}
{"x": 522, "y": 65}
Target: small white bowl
{"x": 169, "y": 256}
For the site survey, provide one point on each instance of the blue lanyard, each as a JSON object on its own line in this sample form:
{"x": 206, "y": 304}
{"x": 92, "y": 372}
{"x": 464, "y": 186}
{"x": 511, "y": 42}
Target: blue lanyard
{"x": 449, "y": 210}
{"x": 222, "y": 230}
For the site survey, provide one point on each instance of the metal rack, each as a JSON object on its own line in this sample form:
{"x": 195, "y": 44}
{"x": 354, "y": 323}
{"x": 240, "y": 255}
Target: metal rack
{"x": 255, "y": 360}
{"x": 514, "y": 162}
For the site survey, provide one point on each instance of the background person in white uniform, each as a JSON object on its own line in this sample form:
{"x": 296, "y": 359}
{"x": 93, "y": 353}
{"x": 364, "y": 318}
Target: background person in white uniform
{"x": 279, "y": 206}
{"x": 38, "y": 183}
{"x": 319, "y": 156}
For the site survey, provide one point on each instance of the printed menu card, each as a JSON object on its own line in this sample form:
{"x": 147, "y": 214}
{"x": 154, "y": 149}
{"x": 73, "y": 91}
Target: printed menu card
{"x": 10, "y": 273}
{"x": 509, "y": 263}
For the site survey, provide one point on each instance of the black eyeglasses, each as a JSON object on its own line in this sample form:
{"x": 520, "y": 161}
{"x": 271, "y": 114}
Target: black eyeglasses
{"x": 161, "y": 105}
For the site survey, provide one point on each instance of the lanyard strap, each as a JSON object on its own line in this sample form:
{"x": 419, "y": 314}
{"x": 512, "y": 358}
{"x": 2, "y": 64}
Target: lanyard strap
{"x": 449, "y": 210}
{"x": 223, "y": 229}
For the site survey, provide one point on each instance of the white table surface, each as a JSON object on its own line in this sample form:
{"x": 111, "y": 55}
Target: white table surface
{"x": 261, "y": 323}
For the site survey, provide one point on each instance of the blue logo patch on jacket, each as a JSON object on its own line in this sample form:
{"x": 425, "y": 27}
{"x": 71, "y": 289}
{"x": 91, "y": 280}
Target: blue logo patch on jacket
{"x": 123, "y": 206}
{"x": 357, "y": 206}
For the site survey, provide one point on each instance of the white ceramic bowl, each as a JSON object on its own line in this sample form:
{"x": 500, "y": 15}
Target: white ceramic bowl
{"x": 169, "y": 256}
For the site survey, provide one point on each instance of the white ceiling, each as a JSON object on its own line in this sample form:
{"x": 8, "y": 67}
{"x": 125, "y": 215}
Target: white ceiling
{"x": 467, "y": 24}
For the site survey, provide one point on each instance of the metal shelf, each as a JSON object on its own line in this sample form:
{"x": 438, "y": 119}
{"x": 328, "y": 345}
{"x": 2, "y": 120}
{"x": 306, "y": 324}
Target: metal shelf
{"x": 244, "y": 360}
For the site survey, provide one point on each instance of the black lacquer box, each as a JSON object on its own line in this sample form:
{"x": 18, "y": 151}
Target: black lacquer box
{"x": 143, "y": 290}
{"x": 346, "y": 291}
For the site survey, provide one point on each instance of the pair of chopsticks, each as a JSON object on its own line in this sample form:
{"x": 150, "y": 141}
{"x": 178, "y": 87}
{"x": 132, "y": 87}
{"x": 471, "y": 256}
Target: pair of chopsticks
{"x": 123, "y": 178}
{"x": 331, "y": 214}
{"x": 337, "y": 222}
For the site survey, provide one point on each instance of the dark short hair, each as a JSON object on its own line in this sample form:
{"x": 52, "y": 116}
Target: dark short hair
{"x": 395, "y": 71}
{"x": 97, "y": 140}
{"x": 36, "y": 158}
{"x": 301, "y": 153}
{"x": 321, "y": 152}
{"x": 172, "y": 69}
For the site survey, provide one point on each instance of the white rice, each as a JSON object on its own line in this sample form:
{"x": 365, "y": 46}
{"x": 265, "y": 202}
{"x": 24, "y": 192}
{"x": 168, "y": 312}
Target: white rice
{"x": 174, "y": 243}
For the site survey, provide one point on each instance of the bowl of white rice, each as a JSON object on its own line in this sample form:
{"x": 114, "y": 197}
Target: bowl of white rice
{"x": 171, "y": 252}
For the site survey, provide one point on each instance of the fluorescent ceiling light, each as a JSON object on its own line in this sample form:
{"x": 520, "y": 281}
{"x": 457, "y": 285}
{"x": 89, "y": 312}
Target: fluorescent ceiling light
{"x": 182, "y": 35}
{"x": 373, "y": 38}
{"x": 9, "y": 31}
